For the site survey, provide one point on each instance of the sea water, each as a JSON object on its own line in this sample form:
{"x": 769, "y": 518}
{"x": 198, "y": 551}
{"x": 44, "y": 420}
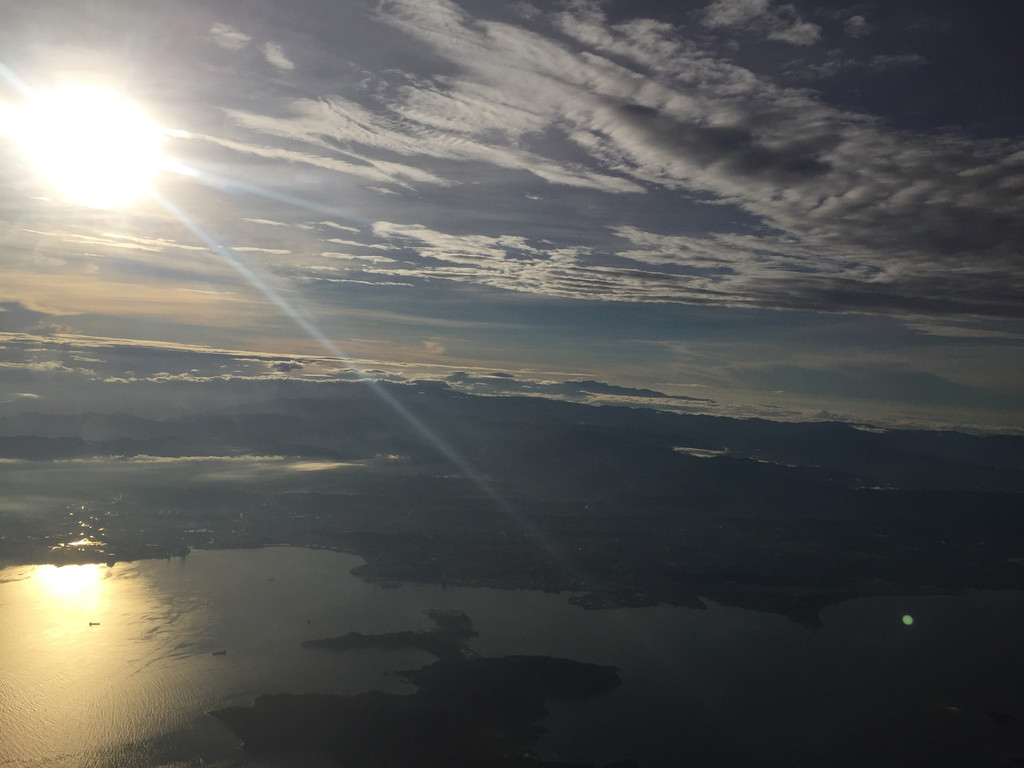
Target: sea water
{"x": 120, "y": 666}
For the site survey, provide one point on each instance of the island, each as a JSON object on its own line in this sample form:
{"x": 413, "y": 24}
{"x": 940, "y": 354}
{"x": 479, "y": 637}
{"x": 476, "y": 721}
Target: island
{"x": 468, "y": 711}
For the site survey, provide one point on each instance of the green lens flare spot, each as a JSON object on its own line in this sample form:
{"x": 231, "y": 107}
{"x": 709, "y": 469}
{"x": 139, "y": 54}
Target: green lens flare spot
{"x": 908, "y": 619}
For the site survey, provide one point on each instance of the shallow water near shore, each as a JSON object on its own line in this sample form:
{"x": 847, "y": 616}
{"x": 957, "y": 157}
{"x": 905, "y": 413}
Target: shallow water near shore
{"x": 120, "y": 666}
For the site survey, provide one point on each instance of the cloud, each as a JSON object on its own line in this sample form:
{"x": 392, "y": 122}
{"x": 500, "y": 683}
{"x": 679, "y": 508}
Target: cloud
{"x": 357, "y": 166}
{"x": 961, "y": 331}
{"x": 467, "y": 119}
{"x": 796, "y": 32}
{"x": 510, "y": 262}
{"x": 727, "y": 13}
{"x": 881, "y": 383}
{"x": 343, "y": 227}
{"x": 226, "y": 36}
{"x": 583, "y": 391}
{"x": 776, "y": 380}
{"x": 736, "y": 270}
{"x": 776, "y": 22}
{"x": 886, "y": 63}
{"x": 426, "y": 124}
{"x": 831, "y": 181}
{"x": 842, "y": 213}
{"x": 259, "y": 249}
{"x": 857, "y": 26}
{"x": 878, "y": 64}
{"x": 268, "y": 222}
{"x": 117, "y": 240}
{"x": 15, "y": 317}
{"x": 70, "y": 294}
{"x": 274, "y": 54}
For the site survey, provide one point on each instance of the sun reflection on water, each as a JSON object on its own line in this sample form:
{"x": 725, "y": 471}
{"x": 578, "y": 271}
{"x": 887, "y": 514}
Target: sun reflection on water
{"x": 91, "y": 663}
{"x": 77, "y": 585}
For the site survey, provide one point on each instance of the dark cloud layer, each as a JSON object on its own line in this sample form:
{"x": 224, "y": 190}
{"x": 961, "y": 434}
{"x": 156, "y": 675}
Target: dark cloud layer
{"x": 584, "y": 391}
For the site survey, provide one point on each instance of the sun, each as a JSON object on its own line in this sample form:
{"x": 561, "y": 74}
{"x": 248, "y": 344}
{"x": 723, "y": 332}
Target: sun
{"x": 93, "y": 146}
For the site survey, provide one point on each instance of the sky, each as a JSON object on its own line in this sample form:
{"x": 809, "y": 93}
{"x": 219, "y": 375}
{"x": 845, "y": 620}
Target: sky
{"x": 807, "y": 210}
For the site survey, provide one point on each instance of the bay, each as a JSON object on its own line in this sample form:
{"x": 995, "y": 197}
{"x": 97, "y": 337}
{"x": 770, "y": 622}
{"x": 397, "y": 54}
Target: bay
{"x": 119, "y": 666}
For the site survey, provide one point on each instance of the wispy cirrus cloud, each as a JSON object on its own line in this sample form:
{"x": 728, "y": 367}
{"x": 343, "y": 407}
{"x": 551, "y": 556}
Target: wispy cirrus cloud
{"x": 422, "y": 126}
{"x": 841, "y": 212}
{"x": 880, "y": 215}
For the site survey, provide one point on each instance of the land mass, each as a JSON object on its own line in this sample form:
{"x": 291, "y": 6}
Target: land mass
{"x": 613, "y": 506}
{"x": 467, "y": 711}
{"x": 447, "y": 642}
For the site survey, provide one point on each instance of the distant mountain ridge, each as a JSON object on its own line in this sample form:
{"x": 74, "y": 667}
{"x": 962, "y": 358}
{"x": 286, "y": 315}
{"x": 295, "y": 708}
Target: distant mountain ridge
{"x": 347, "y": 420}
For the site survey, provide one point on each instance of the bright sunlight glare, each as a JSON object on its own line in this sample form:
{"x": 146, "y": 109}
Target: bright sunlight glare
{"x": 93, "y": 146}
{"x": 77, "y": 584}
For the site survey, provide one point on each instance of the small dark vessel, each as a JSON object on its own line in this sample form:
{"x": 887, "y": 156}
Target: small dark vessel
{"x": 220, "y": 653}
{"x": 94, "y": 623}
